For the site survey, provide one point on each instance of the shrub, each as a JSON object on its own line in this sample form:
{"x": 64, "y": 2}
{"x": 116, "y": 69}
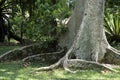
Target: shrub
{"x": 112, "y": 26}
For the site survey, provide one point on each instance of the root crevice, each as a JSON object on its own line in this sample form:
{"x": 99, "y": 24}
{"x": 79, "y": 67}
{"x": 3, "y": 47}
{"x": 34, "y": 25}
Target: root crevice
{"x": 112, "y": 56}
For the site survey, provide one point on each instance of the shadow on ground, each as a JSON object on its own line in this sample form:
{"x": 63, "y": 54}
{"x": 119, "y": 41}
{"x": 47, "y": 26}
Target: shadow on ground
{"x": 14, "y": 71}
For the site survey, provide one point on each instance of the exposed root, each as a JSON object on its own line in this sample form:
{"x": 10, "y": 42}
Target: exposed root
{"x": 83, "y": 64}
{"x": 78, "y": 63}
{"x": 62, "y": 61}
{"x": 113, "y": 49}
{"x": 65, "y": 63}
{"x": 53, "y": 53}
{"x": 15, "y": 50}
{"x": 65, "y": 66}
{"x": 51, "y": 66}
{"x": 112, "y": 56}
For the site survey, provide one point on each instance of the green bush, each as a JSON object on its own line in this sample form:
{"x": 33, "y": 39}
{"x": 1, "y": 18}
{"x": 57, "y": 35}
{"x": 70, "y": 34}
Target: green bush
{"x": 112, "y": 26}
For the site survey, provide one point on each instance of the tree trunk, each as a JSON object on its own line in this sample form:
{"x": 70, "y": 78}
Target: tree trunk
{"x": 91, "y": 41}
{"x": 90, "y": 44}
{"x": 66, "y": 40}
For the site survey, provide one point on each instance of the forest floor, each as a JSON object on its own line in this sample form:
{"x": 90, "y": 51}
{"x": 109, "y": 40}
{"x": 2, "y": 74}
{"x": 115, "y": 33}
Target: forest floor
{"x": 14, "y": 71}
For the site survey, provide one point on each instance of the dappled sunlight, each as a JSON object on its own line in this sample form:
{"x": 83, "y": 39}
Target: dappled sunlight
{"x": 9, "y": 73}
{"x": 59, "y": 73}
{"x": 13, "y": 71}
{"x": 4, "y": 78}
{"x": 2, "y": 70}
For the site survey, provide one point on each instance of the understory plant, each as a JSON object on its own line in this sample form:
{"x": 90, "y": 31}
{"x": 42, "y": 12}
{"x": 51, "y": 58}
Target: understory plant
{"x": 112, "y": 26}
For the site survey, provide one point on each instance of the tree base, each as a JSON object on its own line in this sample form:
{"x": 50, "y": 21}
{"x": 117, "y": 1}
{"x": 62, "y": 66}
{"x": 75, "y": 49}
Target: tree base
{"x": 83, "y": 64}
{"x": 112, "y": 56}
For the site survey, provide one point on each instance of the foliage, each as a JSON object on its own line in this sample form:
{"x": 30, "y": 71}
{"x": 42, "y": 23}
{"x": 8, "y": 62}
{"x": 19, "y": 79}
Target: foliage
{"x": 112, "y": 26}
{"x": 44, "y": 24}
{"x": 112, "y": 21}
{"x": 8, "y": 10}
{"x": 36, "y": 20}
{"x": 39, "y": 21}
{"x": 112, "y": 4}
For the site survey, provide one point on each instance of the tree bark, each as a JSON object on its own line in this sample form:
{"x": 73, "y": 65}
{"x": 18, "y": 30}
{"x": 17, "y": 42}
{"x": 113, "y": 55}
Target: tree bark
{"x": 91, "y": 42}
{"x": 66, "y": 40}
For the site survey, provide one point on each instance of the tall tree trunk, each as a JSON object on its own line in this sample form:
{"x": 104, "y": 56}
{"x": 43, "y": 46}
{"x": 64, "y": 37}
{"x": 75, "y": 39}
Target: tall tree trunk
{"x": 91, "y": 42}
{"x": 86, "y": 38}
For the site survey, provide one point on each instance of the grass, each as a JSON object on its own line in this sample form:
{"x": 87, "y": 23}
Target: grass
{"x": 14, "y": 71}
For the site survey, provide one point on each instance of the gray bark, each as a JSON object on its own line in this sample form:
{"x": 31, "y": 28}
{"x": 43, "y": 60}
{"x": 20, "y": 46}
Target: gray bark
{"x": 87, "y": 21}
{"x": 66, "y": 40}
{"x": 91, "y": 41}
